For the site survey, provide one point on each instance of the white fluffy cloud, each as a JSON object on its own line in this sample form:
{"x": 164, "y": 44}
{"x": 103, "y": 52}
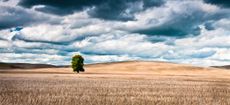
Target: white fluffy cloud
{"x": 54, "y": 39}
{"x": 32, "y": 58}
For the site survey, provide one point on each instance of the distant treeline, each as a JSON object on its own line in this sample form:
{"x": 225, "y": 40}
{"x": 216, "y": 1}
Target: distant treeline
{"x": 222, "y": 67}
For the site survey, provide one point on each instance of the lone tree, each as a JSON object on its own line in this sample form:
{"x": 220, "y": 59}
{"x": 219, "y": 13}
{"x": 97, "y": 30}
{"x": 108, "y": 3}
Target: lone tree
{"x": 78, "y": 63}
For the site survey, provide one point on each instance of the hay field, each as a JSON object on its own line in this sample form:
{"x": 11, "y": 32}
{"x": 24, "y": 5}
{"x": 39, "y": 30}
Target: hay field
{"x": 124, "y": 83}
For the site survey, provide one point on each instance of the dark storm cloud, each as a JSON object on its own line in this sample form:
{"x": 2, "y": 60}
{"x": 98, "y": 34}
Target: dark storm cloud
{"x": 60, "y": 7}
{"x": 14, "y": 17}
{"x": 104, "y": 9}
{"x": 11, "y": 20}
{"x": 177, "y": 26}
{"x": 122, "y": 9}
{"x": 223, "y": 3}
{"x": 112, "y": 10}
{"x": 184, "y": 24}
{"x": 151, "y": 3}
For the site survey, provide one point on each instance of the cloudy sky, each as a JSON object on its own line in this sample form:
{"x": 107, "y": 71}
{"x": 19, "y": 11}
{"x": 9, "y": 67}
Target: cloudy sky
{"x": 51, "y": 31}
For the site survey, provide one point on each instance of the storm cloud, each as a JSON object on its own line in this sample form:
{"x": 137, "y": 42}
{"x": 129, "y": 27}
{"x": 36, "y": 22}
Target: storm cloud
{"x": 223, "y": 3}
{"x": 182, "y": 19}
{"x": 50, "y": 31}
{"x": 122, "y": 10}
{"x": 11, "y": 17}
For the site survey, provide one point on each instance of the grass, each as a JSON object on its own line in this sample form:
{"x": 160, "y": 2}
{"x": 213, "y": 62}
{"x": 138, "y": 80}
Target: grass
{"x": 109, "y": 91}
{"x": 98, "y": 88}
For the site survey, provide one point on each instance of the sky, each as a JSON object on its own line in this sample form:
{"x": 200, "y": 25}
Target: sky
{"x": 193, "y": 32}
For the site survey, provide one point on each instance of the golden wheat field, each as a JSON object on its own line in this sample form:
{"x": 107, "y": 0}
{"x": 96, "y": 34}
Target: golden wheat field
{"x": 124, "y": 83}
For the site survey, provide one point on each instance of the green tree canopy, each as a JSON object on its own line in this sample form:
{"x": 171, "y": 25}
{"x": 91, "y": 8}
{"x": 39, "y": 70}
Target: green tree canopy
{"x": 78, "y": 63}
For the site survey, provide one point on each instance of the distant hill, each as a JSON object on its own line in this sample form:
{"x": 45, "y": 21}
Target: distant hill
{"x": 223, "y": 67}
{"x": 125, "y": 65}
{"x": 25, "y": 66}
{"x": 116, "y": 68}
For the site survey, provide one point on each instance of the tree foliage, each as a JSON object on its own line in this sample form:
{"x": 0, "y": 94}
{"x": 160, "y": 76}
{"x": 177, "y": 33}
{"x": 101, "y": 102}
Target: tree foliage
{"x": 77, "y": 63}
